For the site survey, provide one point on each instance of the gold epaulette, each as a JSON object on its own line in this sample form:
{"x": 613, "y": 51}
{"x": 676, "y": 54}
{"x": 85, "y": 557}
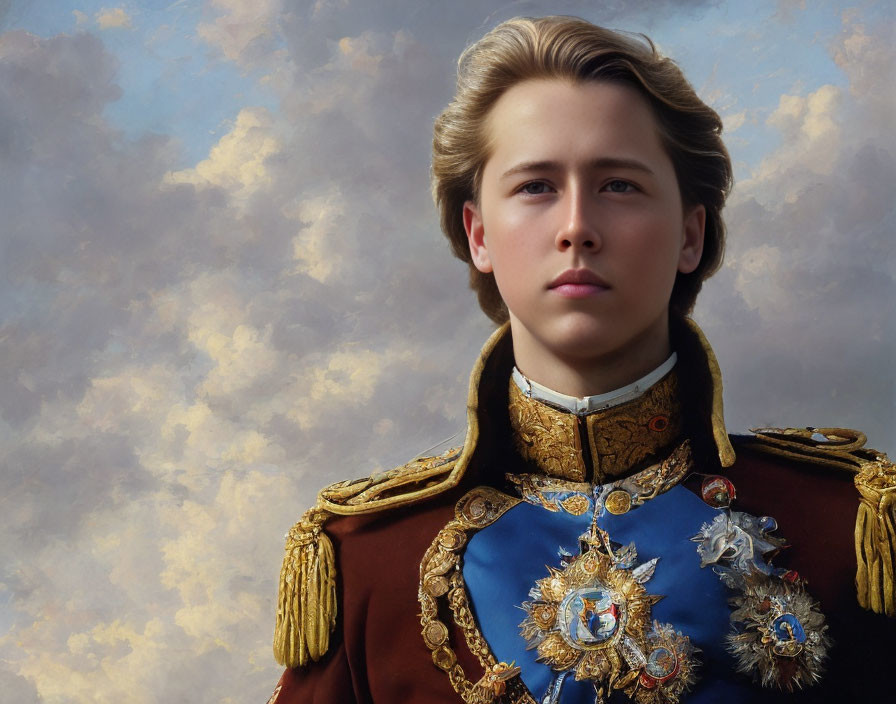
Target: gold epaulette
{"x": 418, "y": 479}
{"x": 830, "y": 447}
{"x": 306, "y": 603}
{"x": 875, "y": 479}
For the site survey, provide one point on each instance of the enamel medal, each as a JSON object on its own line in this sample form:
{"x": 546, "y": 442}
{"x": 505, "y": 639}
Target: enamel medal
{"x": 778, "y": 632}
{"x": 590, "y": 619}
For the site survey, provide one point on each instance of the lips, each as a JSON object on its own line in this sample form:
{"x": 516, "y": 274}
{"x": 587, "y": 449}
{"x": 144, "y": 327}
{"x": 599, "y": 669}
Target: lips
{"x": 578, "y": 276}
{"x": 578, "y": 283}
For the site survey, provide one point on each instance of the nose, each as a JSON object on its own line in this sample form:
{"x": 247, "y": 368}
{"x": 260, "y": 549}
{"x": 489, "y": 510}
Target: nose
{"x": 578, "y": 222}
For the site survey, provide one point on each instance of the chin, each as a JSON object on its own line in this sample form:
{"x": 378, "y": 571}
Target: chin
{"x": 583, "y": 337}
{"x": 586, "y": 337}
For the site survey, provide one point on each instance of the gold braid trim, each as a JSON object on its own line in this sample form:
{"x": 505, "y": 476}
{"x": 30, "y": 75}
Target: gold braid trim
{"x": 403, "y": 485}
{"x": 306, "y": 604}
{"x": 442, "y": 590}
{"x": 719, "y": 433}
{"x": 620, "y": 437}
{"x": 875, "y": 479}
{"x": 829, "y": 447}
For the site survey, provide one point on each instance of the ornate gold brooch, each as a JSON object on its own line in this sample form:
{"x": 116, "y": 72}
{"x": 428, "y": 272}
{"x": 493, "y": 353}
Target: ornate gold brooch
{"x": 590, "y": 619}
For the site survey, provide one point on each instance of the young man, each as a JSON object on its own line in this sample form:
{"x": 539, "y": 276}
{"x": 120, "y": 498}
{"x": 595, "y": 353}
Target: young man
{"x": 595, "y": 538}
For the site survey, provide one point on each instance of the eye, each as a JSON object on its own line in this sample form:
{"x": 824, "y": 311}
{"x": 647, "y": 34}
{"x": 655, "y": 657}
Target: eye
{"x": 535, "y": 188}
{"x": 619, "y": 186}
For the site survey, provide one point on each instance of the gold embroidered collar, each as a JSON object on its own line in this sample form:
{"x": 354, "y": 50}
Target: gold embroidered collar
{"x": 606, "y": 443}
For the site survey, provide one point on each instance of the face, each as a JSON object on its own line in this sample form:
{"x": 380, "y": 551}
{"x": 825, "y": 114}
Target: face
{"x": 580, "y": 219}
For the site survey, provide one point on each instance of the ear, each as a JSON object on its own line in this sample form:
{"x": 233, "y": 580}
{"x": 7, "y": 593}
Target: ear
{"x": 692, "y": 239}
{"x": 476, "y": 237}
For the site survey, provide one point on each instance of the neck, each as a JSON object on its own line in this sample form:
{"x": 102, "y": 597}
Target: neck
{"x": 589, "y": 367}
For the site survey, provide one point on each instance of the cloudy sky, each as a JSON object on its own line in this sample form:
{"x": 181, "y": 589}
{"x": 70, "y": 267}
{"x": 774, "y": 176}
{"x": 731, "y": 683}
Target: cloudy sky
{"x": 222, "y": 285}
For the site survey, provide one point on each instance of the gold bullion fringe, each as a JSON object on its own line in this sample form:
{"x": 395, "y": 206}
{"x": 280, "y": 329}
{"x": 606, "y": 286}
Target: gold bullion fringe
{"x": 876, "y": 536}
{"x": 306, "y": 604}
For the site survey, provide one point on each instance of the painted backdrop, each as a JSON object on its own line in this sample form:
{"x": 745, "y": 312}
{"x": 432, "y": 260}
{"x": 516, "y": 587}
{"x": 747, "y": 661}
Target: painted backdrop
{"x": 222, "y": 285}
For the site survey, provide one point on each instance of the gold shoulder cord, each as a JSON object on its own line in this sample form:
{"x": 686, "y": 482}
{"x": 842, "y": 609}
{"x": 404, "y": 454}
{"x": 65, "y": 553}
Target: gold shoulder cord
{"x": 874, "y": 475}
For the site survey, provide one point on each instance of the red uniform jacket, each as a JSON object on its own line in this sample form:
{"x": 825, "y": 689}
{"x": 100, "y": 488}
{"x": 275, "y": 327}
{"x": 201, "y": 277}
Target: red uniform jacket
{"x": 377, "y": 654}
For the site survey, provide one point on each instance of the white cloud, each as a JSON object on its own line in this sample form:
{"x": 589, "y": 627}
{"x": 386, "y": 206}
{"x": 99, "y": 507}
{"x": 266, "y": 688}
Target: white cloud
{"x": 734, "y": 121}
{"x": 346, "y": 377}
{"x": 321, "y": 6}
{"x": 237, "y": 162}
{"x": 356, "y": 65}
{"x": 356, "y": 53}
{"x": 242, "y": 31}
{"x": 112, "y": 18}
{"x": 809, "y": 118}
{"x": 317, "y": 246}
{"x": 759, "y": 275}
{"x": 240, "y": 359}
{"x": 869, "y": 62}
{"x": 199, "y": 560}
{"x": 811, "y": 137}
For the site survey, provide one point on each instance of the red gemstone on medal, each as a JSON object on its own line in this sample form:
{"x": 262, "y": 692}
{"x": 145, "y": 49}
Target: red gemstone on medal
{"x": 647, "y": 682}
{"x": 717, "y": 491}
{"x": 658, "y": 423}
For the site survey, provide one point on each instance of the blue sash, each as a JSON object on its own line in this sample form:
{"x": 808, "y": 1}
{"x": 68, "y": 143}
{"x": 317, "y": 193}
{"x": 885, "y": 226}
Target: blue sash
{"x": 503, "y": 561}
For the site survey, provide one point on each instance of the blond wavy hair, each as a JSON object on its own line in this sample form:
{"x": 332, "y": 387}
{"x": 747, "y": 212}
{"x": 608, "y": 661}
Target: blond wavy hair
{"x": 570, "y": 48}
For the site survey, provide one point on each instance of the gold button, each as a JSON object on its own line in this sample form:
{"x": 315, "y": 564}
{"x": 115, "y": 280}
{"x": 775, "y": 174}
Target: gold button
{"x": 618, "y": 502}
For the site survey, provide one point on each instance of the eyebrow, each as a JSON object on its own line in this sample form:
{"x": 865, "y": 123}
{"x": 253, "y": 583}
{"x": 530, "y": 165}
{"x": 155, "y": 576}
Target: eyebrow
{"x": 601, "y": 163}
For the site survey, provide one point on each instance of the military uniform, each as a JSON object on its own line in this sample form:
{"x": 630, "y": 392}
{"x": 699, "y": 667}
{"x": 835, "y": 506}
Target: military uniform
{"x": 617, "y": 548}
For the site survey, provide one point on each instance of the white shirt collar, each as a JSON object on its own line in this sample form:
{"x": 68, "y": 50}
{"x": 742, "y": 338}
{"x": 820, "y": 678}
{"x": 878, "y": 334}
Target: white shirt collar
{"x": 600, "y": 402}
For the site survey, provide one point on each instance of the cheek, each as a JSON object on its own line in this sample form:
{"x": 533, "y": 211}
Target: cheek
{"x": 512, "y": 222}
{"x": 660, "y": 233}
{"x": 511, "y": 237}
{"x": 515, "y": 263}
{"x": 651, "y": 253}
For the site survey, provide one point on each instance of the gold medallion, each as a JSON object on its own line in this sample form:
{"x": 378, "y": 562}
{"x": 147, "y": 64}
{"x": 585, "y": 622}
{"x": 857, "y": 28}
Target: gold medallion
{"x": 618, "y": 502}
{"x": 577, "y": 504}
